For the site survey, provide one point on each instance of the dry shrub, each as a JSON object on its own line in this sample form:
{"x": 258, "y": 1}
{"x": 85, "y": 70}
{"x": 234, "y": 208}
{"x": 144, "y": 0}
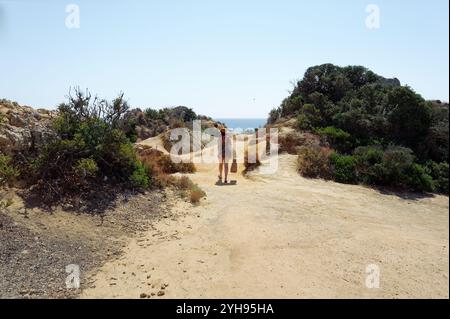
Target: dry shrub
{"x": 184, "y": 183}
{"x": 196, "y": 195}
{"x": 150, "y": 157}
{"x": 169, "y": 167}
{"x": 176, "y": 123}
{"x": 160, "y": 167}
{"x": 291, "y": 142}
{"x": 188, "y": 189}
{"x": 160, "y": 163}
{"x": 165, "y": 180}
{"x": 8, "y": 173}
{"x": 313, "y": 161}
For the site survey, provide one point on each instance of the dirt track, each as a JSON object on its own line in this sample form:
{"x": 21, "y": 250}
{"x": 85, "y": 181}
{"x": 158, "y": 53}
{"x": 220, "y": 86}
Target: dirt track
{"x": 284, "y": 236}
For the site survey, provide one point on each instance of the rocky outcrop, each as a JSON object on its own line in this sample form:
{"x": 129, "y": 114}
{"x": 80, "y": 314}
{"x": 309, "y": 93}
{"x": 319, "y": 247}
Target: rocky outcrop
{"x": 389, "y": 82}
{"x": 23, "y": 128}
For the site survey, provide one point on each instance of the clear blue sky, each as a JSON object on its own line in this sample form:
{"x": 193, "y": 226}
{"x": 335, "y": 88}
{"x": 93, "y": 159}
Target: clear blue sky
{"x": 223, "y": 58}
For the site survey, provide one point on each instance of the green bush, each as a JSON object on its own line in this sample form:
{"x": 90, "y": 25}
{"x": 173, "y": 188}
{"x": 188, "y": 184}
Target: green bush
{"x": 290, "y": 106}
{"x": 303, "y": 122}
{"x": 439, "y": 172}
{"x": 139, "y": 177}
{"x": 369, "y": 164}
{"x": 274, "y": 115}
{"x": 152, "y": 114}
{"x": 416, "y": 178}
{"x": 343, "y": 168}
{"x": 394, "y": 166}
{"x": 313, "y": 161}
{"x": 129, "y": 127}
{"x": 311, "y": 116}
{"x": 86, "y": 167}
{"x": 338, "y": 139}
{"x": 396, "y": 162}
{"x": 7, "y": 171}
{"x": 409, "y": 116}
{"x": 90, "y": 146}
{"x": 352, "y": 107}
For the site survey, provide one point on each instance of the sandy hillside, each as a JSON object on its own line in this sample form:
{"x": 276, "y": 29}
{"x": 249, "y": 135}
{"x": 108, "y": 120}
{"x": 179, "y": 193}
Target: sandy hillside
{"x": 284, "y": 236}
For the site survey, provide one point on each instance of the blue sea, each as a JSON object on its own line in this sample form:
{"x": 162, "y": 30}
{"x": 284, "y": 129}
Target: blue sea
{"x": 243, "y": 124}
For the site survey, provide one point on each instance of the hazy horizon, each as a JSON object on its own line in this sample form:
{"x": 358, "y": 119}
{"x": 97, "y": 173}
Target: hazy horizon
{"x": 224, "y": 60}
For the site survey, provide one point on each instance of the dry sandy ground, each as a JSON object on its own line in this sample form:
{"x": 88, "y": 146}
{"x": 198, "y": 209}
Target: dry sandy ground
{"x": 284, "y": 236}
{"x": 36, "y": 243}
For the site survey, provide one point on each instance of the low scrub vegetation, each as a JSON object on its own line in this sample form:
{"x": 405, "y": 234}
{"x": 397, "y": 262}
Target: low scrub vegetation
{"x": 439, "y": 172}
{"x": 290, "y": 142}
{"x": 343, "y": 168}
{"x": 381, "y": 133}
{"x": 8, "y": 173}
{"x": 339, "y": 139}
{"x": 173, "y": 117}
{"x": 158, "y": 165}
{"x": 196, "y": 194}
{"x": 90, "y": 148}
{"x": 313, "y": 161}
{"x": 161, "y": 168}
{"x": 92, "y": 153}
{"x": 392, "y": 166}
{"x": 189, "y": 189}
{"x": 170, "y": 167}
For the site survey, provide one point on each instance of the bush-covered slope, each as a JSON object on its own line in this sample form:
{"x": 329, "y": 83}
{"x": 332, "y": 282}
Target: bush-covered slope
{"x": 352, "y": 108}
{"x": 84, "y": 148}
{"x": 151, "y": 122}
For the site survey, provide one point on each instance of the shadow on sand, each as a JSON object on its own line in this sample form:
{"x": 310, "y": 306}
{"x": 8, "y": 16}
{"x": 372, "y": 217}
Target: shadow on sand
{"x": 93, "y": 201}
{"x": 230, "y": 183}
{"x": 407, "y": 195}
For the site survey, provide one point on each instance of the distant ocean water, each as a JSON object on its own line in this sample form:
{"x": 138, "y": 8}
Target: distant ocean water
{"x": 243, "y": 124}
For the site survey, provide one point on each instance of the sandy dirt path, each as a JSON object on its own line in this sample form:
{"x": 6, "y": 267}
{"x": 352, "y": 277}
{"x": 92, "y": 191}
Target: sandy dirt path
{"x": 284, "y": 236}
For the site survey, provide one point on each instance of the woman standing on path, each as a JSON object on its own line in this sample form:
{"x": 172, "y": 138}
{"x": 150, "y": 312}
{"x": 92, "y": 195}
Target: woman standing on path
{"x": 225, "y": 153}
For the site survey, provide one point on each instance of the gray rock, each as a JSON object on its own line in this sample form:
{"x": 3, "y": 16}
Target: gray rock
{"x": 16, "y": 119}
{"x": 24, "y": 127}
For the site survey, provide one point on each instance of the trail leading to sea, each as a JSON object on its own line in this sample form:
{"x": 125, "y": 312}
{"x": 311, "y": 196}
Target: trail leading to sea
{"x": 284, "y": 236}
